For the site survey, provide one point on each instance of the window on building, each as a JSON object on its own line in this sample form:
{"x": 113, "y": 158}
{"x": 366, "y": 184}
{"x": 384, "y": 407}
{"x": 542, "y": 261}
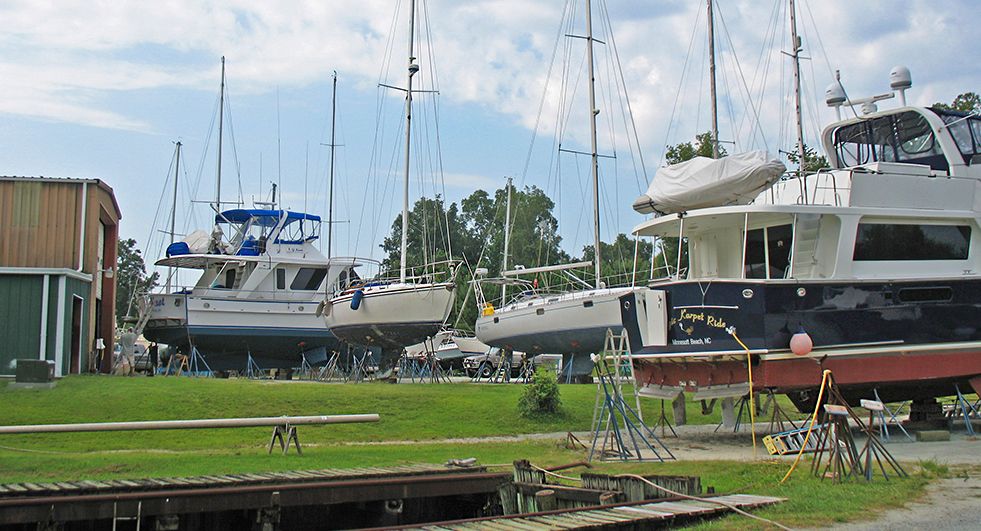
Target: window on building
{"x": 882, "y": 241}
{"x": 308, "y": 278}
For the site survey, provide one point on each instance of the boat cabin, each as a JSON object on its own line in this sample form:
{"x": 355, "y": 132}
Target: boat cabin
{"x": 260, "y": 254}
{"x": 900, "y": 202}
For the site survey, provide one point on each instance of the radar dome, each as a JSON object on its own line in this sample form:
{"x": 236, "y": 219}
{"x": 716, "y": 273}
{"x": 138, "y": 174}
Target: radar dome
{"x": 900, "y": 78}
{"x": 834, "y": 94}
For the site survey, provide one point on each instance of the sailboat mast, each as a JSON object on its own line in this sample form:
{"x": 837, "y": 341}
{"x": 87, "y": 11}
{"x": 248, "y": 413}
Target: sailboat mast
{"x": 173, "y": 209}
{"x": 330, "y": 192}
{"x": 715, "y": 103}
{"x": 507, "y": 236}
{"x": 413, "y": 68}
{"x": 221, "y": 115}
{"x": 593, "y": 111}
{"x": 795, "y": 54}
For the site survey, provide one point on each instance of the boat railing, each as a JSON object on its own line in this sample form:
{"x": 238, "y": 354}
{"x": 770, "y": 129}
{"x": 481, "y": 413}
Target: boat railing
{"x": 235, "y": 294}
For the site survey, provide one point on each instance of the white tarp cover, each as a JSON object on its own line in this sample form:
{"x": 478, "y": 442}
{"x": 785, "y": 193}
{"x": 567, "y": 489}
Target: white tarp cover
{"x": 198, "y": 242}
{"x": 703, "y": 182}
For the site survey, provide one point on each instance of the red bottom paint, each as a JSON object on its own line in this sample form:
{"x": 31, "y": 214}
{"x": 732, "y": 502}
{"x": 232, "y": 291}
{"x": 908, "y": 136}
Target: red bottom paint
{"x": 805, "y": 373}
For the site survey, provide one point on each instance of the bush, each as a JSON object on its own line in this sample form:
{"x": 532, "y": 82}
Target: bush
{"x": 541, "y": 395}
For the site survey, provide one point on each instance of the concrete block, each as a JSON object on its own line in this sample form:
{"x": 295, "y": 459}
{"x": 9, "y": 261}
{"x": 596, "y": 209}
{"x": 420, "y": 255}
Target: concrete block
{"x": 932, "y": 435}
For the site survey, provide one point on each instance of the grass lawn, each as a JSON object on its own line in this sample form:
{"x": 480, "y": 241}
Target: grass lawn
{"x": 425, "y": 414}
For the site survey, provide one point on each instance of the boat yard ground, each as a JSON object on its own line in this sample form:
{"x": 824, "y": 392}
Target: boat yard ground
{"x": 434, "y": 423}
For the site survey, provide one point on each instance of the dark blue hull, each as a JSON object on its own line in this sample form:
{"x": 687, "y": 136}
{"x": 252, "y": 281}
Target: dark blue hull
{"x": 908, "y": 339}
{"x": 227, "y": 348}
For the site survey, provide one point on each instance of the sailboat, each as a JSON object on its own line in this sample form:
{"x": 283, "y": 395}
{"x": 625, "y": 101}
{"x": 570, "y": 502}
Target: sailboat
{"x": 393, "y": 312}
{"x": 260, "y": 279}
{"x": 535, "y": 320}
{"x": 869, "y": 269}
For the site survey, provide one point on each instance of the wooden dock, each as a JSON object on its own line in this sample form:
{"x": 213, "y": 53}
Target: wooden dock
{"x": 638, "y": 515}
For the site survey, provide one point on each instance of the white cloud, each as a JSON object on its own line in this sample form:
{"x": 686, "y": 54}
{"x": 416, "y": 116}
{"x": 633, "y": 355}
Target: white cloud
{"x": 62, "y": 60}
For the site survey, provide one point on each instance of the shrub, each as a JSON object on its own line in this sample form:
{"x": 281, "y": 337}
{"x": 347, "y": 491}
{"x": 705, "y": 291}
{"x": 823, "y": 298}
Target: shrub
{"x": 541, "y": 396}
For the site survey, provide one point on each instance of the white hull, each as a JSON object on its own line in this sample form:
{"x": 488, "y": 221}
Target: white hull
{"x": 391, "y": 316}
{"x": 568, "y": 323}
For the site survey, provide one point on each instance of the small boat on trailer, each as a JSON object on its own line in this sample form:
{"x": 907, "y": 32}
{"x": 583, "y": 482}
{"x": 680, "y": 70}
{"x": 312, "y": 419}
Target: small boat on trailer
{"x": 875, "y": 263}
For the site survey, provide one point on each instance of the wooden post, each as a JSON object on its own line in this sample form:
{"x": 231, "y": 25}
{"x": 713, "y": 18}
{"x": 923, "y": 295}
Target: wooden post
{"x": 545, "y": 500}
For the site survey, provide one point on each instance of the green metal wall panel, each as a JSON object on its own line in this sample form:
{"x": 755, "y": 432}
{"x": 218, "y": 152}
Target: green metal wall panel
{"x": 20, "y": 319}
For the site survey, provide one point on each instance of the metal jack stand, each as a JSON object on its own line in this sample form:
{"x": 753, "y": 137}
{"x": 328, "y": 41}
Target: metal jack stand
{"x": 285, "y": 434}
{"x": 893, "y": 418}
{"x": 360, "y": 369}
{"x": 778, "y": 416}
{"x": 306, "y": 370}
{"x": 664, "y": 422}
{"x": 198, "y": 364}
{"x": 624, "y": 434}
{"x": 329, "y": 371}
{"x": 252, "y": 369}
{"x": 966, "y": 409}
{"x": 503, "y": 374}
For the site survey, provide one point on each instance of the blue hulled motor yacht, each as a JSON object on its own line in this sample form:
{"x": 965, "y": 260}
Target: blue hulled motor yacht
{"x": 261, "y": 280}
{"x": 873, "y": 264}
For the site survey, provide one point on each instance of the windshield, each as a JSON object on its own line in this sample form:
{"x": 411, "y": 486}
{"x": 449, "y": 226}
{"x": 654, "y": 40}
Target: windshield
{"x": 903, "y": 137}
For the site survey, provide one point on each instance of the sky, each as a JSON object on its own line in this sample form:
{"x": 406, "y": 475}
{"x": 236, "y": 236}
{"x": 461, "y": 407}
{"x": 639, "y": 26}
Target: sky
{"x": 103, "y": 89}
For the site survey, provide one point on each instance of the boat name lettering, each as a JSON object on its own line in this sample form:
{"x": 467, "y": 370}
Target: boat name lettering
{"x": 702, "y": 317}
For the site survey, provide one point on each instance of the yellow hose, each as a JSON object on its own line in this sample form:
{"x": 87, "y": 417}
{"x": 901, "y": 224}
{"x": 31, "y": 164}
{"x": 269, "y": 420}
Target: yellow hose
{"x": 817, "y": 407}
{"x": 752, "y": 404}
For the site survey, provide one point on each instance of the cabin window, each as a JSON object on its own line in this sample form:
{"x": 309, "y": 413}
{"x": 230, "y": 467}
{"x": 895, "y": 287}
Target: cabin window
{"x": 230, "y": 278}
{"x": 966, "y": 131}
{"x": 308, "y": 278}
{"x": 768, "y": 252}
{"x": 881, "y": 241}
{"x": 903, "y": 137}
{"x": 280, "y": 278}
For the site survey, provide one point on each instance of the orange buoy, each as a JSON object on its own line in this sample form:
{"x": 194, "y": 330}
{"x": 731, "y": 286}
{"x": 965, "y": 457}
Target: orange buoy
{"x": 801, "y": 343}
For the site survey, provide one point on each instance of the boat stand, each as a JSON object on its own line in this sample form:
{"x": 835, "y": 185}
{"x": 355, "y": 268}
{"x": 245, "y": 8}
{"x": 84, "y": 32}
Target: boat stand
{"x": 742, "y": 409}
{"x": 663, "y": 422}
{"x": 845, "y": 461}
{"x": 873, "y": 448}
{"x": 625, "y": 437}
{"x": 252, "y": 369}
{"x": 503, "y": 373}
{"x": 198, "y": 364}
{"x": 306, "y": 370}
{"x": 360, "y": 368}
{"x": 893, "y": 418}
{"x": 965, "y": 409}
{"x": 289, "y": 431}
{"x": 778, "y": 416}
{"x": 329, "y": 371}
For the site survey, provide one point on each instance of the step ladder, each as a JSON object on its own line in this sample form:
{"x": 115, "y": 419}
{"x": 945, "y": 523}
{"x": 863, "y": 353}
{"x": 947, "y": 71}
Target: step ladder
{"x": 790, "y": 442}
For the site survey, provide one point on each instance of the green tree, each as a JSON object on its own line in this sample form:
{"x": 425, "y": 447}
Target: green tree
{"x": 476, "y": 235}
{"x": 966, "y": 102}
{"x": 618, "y": 259}
{"x": 132, "y": 280}
{"x": 687, "y": 151}
{"x": 812, "y": 161}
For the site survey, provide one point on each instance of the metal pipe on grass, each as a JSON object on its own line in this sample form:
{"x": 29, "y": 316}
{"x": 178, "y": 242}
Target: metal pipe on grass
{"x": 189, "y": 424}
